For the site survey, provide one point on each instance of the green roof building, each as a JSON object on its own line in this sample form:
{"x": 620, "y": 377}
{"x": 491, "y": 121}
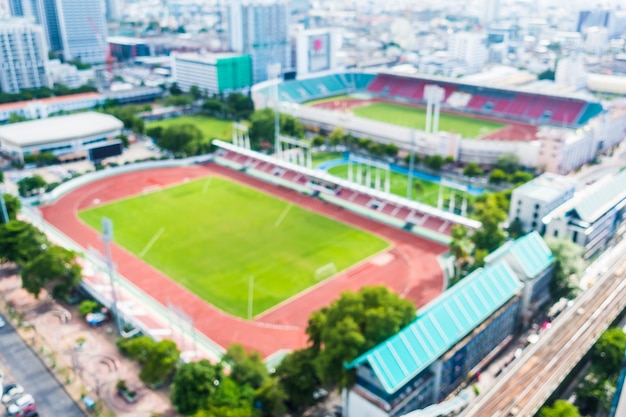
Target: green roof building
{"x": 213, "y": 73}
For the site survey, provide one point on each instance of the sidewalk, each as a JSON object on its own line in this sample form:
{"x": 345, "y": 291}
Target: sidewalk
{"x": 52, "y": 331}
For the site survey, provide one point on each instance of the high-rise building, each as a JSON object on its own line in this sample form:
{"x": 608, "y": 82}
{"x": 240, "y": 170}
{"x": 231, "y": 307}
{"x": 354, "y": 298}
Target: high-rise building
{"x": 214, "y": 73}
{"x": 491, "y": 11}
{"x": 23, "y": 56}
{"x": 113, "y": 10}
{"x": 260, "y": 28}
{"x": 83, "y": 30}
{"x": 470, "y": 49}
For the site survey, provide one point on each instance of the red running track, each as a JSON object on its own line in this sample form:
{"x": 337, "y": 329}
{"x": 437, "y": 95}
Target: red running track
{"x": 410, "y": 267}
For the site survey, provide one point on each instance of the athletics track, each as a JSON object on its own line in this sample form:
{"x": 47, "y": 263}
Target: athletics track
{"x": 410, "y": 267}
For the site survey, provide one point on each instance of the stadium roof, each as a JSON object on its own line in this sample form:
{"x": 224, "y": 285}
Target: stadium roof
{"x": 324, "y": 176}
{"x": 442, "y": 324}
{"x": 530, "y": 251}
{"x": 58, "y": 129}
{"x": 601, "y": 200}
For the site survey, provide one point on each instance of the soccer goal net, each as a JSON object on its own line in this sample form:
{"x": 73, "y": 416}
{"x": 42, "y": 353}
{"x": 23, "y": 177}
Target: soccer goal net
{"x": 325, "y": 271}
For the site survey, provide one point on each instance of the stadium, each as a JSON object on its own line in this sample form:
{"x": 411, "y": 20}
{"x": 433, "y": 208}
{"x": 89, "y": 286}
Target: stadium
{"x": 475, "y": 124}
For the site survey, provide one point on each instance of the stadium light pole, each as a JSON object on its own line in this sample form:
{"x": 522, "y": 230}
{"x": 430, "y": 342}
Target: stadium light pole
{"x": 273, "y": 72}
{"x": 107, "y": 238}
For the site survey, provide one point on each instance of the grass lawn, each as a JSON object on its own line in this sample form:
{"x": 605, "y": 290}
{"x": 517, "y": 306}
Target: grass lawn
{"x": 321, "y": 157}
{"x": 414, "y": 117}
{"x": 211, "y": 128}
{"x": 326, "y": 99}
{"x": 212, "y": 235}
{"x": 428, "y": 193}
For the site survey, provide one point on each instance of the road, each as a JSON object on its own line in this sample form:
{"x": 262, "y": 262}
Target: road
{"x": 27, "y": 370}
{"x": 525, "y": 387}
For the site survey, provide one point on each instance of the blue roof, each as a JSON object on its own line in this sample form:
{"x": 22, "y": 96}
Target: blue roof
{"x": 530, "y": 251}
{"x": 442, "y": 324}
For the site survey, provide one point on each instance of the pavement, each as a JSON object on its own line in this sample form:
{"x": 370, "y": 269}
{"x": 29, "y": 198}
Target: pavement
{"x": 52, "y": 331}
{"x": 24, "y": 367}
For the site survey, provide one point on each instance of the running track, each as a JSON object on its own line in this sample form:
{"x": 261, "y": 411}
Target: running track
{"x": 410, "y": 268}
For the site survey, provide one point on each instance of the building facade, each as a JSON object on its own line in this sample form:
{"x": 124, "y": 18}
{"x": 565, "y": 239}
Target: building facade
{"x": 316, "y": 50}
{"x": 431, "y": 357}
{"x": 23, "y": 56}
{"x": 46, "y": 107}
{"x": 260, "y": 28}
{"x": 83, "y": 30}
{"x": 213, "y": 73}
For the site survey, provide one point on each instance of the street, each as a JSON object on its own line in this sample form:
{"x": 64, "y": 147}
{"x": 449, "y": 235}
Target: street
{"x": 25, "y": 368}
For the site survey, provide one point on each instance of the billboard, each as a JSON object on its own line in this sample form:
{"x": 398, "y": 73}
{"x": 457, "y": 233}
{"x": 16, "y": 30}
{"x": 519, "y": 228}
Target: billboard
{"x": 106, "y": 150}
{"x": 319, "y": 52}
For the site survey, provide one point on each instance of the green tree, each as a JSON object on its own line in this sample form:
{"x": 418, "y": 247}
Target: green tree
{"x": 434, "y": 162}
{"x": 520, "y": 177}
{"x": 124, "y": 139}
{"x": 472, "y": 169}
{"x": 195, "y": 92}
{"x": 497, "y": 176}
{"x": 160, "y": 362}
{"x": 508, "y": 162}
{"x": 449, "y": 159}
{"x": 490, "y": 213}
{"x": 336, "y": 137}
{"x": 194, "y": 385}
{"x": 239, "y": 105}
{"x": 479, "y": 258}
{"x": 560, "y": 408}
{"x": 232, "y": 395}
{"x": 353, "y": 324}
{"x": 214, "y": 107}
{"x": 184, "y": 139}
{"x": 16, "y": 118}
{"x": 460, "y": 245}
{"x": 608, "y": 352}
{"x": 1, "y": 176}
{"x": 262, "y": 128}
{"x": 290, "y": 126}
{"x": 594, "y": 393}
{"x": 12, "y": 204}
{"x": 298, "y": 377}
{"x": 136, "y": 348}
{"x": 54, "y": 269}
{"x": 516, "y": 229}
{"x": 155, "y": 132}
{"x": 568, "y": 265}
{"x": 270, "y": 398}
{"x": 88, "y": 306}
{"x": 30, "y": 185}
{"x": 175, "y": 90}
{"x": 318, "y": 140}
{"x": 391, "y": 150}
{"x": 180, "y": 100}
{"x": 20, "y": 242}
{"x": 245, "y": 368}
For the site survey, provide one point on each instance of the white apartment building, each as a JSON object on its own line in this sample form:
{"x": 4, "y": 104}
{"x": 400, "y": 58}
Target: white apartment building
{"x": 83, "y": 30}
{"x": 470, "y": 49}
{"x": 23, "y": 56}
{"x": 260, "y": 28}
{"x": 531, "y": 202}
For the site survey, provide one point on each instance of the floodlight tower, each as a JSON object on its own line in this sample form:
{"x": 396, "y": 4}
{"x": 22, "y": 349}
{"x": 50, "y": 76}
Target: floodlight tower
{"x": 273, "y": 72}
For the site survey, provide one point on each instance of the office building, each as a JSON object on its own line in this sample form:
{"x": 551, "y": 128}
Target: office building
{"x": 316, "y": 50}
{"x": 45, "y": 14}
{"x": 23, "y": 56}
{"x": 531, "y": 202}
{"x": 260, "y": 28}
{"x": 448, "y": 342}
{"x": 469, "y": 49}
{"x": 491, "y": 11}
{"x": 127, "y": 49}
{"x": 83, "y": 30}
{"x": 213, "y": 73}
{"x": 113, "y": 10}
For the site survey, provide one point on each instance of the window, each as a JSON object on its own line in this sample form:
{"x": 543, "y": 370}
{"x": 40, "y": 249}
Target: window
{"x": 534, "y": 224}
{"x": 556, "y": 233}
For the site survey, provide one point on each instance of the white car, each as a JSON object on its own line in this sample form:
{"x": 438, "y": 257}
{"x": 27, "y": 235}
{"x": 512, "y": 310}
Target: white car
{"x": 2, "y": 322}
{"x": 22, "y": 402}
{"x": 12, "y": 393}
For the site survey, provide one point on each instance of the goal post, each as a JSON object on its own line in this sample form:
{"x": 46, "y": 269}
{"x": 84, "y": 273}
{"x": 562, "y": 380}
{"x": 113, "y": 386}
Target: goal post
{"x": 325, "y": 271}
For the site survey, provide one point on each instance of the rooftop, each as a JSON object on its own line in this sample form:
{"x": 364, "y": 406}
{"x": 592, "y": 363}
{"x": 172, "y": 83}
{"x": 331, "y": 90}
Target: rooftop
{"x": 601, "y": 199}
{"x": 207, "y": 58}
{"x": 546, "y": 187}
{"x": 49, "y": 100}
{"x": 443, "y": 323}
{"x": 60, "y": 128}
{"x": 530, "y": 251}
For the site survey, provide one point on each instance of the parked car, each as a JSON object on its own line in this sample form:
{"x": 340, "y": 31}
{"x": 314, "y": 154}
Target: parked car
{"x": 21, "y": 405}
{"x": 11, "y": 392}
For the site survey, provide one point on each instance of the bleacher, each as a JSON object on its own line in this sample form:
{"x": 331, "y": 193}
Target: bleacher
{"x": 300, "y": 91}
{"x": 521, "y": 106}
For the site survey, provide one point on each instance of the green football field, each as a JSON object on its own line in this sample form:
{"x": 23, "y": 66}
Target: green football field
{"x": 211, "y": 128}
{"x": 212, "y": 235}
{"x": 415, "y": 117}
{"x": 426, "y": 192}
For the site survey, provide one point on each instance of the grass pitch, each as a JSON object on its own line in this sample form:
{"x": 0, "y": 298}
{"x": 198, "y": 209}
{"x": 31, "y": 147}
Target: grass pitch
{"x": 211, "y": 128}
{"x": 426, "y": 192}
{"x": 416, "y": 118}
{"x": 211, "y": 235}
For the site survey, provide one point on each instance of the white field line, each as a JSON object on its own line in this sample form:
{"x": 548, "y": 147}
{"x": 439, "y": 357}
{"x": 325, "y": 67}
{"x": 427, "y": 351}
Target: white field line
{"x": 282, "y": 215}
{"x": 156, "y": 236}
{"x": 206, "y": 185}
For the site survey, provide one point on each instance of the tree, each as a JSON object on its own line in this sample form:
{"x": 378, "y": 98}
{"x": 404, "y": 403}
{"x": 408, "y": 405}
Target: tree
{"x": 160, "y": 362}
{"x": 1, "y": 176}
{"x": 488, "y": 211}
{"x": 298, "y": 377}
{"x": 195, "y": 92}
{"x": 520, "y": 177}
{"x": 391, "y": 150}
{"x": 155, "y": 132}
{"x": 239, "y": 105}
{"x": 20, "y": 242}
{"x": 179, "y": 100}
{"x": 336, "y": 137}
{"x": 124, "y": 139}
{"x": 54, "y": 269}
{"x": 136, "y": 348}
{"x": 214, "y": 107}
{"x": 270, "y": 398}
{"x": 290, "y": 126}
{"x": 434, "y": 162}
{"x": 497, "y": 176}
{"x": 318, "y": 141}
{"x": 12, "y": 204}
{"x": 594, "y": 393}
{"x": 30, "y": 185}
{"x": 175, "y": 90}
{"x": 232, "y": 395}
{"x": 194, "y": 384}
{"x": 508, "y": 162}
{"x": 460, "y": 245}
{"x": 16, "y": 118}
{"x": 87, "y": 307}
{"x": 448, "y": 160}
{"x": 353, "y": 324}
{"x": 184, "y": 139}
{"x": 561, "y": 408}
{"x": 608, "y": 352}
{"x": 245, "y": 368}
{"x": 261, "y": 127}
{"x": 472, "y": 169}
{"x": 516, "y": 229}
{"x": 568, "y": 265}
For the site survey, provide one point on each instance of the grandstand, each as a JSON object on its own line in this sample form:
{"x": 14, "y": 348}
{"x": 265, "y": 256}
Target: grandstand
{"x": 422, "y": 219}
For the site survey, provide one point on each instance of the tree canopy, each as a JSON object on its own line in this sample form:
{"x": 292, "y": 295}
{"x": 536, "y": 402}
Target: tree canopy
{"x": 30, "y": 185}
{"x": 184, "y": 139}
{"x": 508, "y": 162}
{"x": 245, "y": 368}
{"x": 13, "y": 206}
{"x": 472, "y": 169}
{"x": 568, "y": 265}
{"x": 490, "y": 213}
{"x": 352, "y": 324}
{"x": 298, "y": 377}
{"x": 608, "y": 352}
{"x": 262, "y": 127}
{"x": 54, "y": 269}
{"x": 561, "y": 408}
{"x": 20, "y": 242}
{"x": 194, "y": 385}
